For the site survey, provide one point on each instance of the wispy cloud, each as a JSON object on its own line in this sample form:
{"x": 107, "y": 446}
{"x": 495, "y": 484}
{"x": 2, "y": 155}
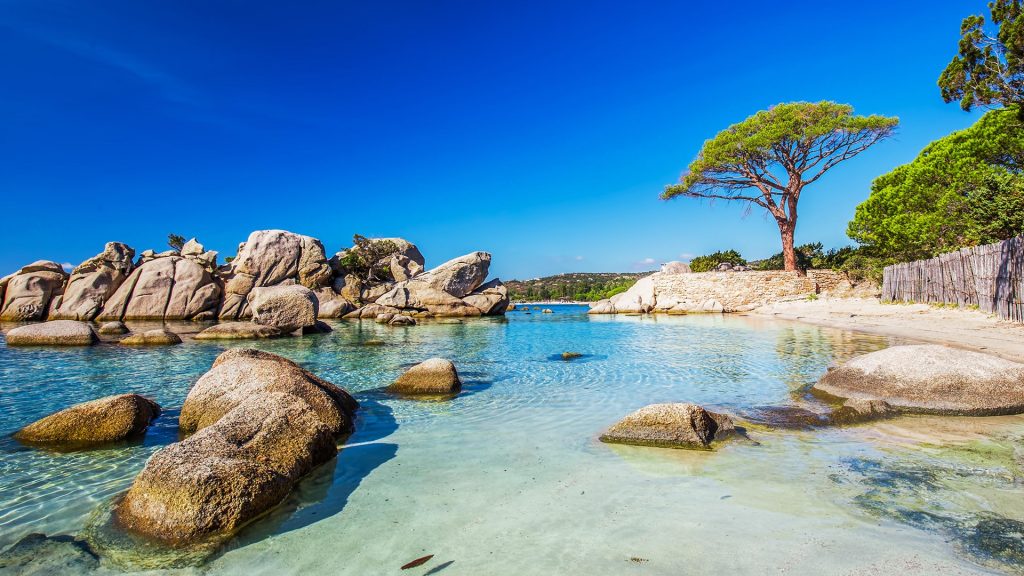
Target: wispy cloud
{"x": 579, "y": 258}
{"x": 645, "y": 264}
{"x": 687, "y": 256}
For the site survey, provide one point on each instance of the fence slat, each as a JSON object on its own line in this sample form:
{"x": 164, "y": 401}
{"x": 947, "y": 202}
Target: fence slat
{"x": 989, "y": 277}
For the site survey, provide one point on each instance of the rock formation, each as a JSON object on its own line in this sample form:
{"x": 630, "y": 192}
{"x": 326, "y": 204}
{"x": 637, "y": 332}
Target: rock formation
{"x": 156, "y": 337}
{"x": 287, "y": 308}
{"x": 28, "y": 293}
{"x": 101, "y": 421}
{"x": 238, "y": 331}
{"x": 260, "y": 423}
{"x": 165, "y": 288}
{"x": 931, "y": 379}
{"x": 270, "y": 258}
{"x": 93, "y": 282}
{"x": 670, "y": 426}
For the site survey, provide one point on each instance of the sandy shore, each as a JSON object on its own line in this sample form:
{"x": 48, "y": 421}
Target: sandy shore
{"x": 961, "y": 328}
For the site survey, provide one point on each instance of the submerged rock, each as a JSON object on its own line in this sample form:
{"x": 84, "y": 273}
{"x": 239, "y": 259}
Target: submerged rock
{"x": 670, "y": 426}
{"x": 238, "y": 331}
{"x": 402, "y": 320}
{"x": 101, "y": 421}
{"x": 435, "y": 376}
{"x": 932, "y": 379}
{"x": 857, "y": 410}
{"x": 39, "y": 554}
{"x": 157, "y": 337}
{"x": 571, "y": 355}
{"x": 53, "y": 333}
{"x": 261, "y": 422}
{"x": 287, "y": 308}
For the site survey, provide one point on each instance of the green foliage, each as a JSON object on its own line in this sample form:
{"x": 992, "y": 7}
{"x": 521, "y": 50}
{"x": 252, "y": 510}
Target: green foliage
{"x": 989, "y": 69}
{"x": 369, "y": 258}
{"x": 769, "y": 158}
{"x": 176, "y": 242}
{"x": 961, "y": 190}
{"x": 709, "y": 262}
{"x": 577, "y": 286}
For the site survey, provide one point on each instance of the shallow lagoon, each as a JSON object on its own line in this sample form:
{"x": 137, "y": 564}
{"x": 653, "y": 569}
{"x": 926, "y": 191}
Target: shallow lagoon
{"x": 509, "y": 477}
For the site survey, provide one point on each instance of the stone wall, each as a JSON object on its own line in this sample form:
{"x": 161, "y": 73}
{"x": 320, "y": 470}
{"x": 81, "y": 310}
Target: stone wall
{"x": 732, "y": 291}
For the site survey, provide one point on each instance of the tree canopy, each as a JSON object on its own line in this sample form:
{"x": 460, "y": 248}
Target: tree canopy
{"x": 962, "y": 190}
{"x": 770, "y": 157}
{"x": 989, "y": 68}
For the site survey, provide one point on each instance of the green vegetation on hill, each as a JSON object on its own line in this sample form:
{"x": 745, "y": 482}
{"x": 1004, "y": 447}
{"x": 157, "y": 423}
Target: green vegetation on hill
{"x": 578, "y": 286}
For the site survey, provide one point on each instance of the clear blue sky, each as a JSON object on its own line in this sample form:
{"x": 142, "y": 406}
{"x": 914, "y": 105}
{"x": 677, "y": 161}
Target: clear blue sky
{"x": 542, "y": 132}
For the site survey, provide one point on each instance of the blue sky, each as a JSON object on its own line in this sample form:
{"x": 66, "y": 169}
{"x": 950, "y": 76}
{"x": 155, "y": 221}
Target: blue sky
{"x": 542, "y": 132}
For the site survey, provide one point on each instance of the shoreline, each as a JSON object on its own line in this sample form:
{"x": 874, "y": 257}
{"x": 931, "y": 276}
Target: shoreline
{"x": 959, "y": 328}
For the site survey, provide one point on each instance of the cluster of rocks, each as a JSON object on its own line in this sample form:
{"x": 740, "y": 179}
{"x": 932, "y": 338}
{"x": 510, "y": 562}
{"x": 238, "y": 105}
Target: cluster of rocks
{"x": 272, "y": 267}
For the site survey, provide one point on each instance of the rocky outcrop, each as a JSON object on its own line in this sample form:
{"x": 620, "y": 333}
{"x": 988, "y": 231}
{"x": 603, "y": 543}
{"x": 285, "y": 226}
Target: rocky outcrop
{"x": 261, "y": 423}
{"x": 238, "y": 331}
{"x": 165, "y": 288}
{"x": 930, "y": 379}
{"x": 459, "y": 276}
{"x": 29, "y": 292}
{"x": 403, "y": 268}
{"x": 436, "y": 376}
{"x": 287, "y": 308}
{"x": 195, "y": 252}
{"x": 332, "y": 304}
{"x": 407, "y": 258}
{"x": 671, "y": 426}
{"x": 101, "y": 421}
{"x": 490, "y": 298}
{"x": 270, "y": 258}
{"x": 53, "y": 333}
{"x": 93, "y": 282}
{"x": 156, "y": 337}
{"x": 416, "y": 295}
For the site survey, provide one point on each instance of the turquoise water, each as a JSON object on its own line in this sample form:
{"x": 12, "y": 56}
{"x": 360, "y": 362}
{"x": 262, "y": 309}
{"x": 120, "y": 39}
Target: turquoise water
{"x": 509, "y": 477}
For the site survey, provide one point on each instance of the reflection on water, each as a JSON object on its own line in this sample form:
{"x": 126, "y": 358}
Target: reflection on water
{"x": 509, "y": 478}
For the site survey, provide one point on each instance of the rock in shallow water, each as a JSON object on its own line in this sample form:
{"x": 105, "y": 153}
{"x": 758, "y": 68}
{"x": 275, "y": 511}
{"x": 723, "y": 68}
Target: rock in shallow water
{"x": 238, "y": 331}
{"x": 287, "y": 308}
{"x": 263, "y": 422}
{"x": 113, "y": 328}
{"x": 931, "y": 379}
{"x": 670, "y": 426}
{"x": 157, "y": 337}
{"x": 435, "y": 376}
{"x": 39, "y": 554}
{"x": 53, "y": 333}
{"x": 101, "y": 421}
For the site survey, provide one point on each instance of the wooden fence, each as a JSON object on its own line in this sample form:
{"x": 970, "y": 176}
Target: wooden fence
{"x": 989, "y": 277}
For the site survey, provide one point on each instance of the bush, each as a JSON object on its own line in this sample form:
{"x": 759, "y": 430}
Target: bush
{"x": 369, "y": 259}
{"x": 711, "y": 261}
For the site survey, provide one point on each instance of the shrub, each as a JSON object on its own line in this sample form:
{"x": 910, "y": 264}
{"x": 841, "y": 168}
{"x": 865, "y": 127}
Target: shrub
{"x": 711, "y": 261}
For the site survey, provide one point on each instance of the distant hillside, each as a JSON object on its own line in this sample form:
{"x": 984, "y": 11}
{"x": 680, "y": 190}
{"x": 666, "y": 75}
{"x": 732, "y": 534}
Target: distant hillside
{"x": 580, "y": 286}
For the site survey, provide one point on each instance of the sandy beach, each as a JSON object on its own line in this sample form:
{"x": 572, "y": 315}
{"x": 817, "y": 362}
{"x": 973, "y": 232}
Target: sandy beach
{"x": 962, "y": 328}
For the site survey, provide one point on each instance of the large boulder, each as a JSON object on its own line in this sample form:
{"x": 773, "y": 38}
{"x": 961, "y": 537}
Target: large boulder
{"x": 29, "y": 292}
{"x": 332, "y": 304}
{"x": 238, "y": 331}
{"x": 422, "y": 296}
{"x": 404, "y": 268}
{"x": 260, "y": 423}
{"x": 93, "y": 282}
{"x": 287, "y": 308}
{"x": 932, "y": 379}
{"x": 195, "y": 251}
{"x": 269, "y": 258}
{"x": 436, "y": 376}
{"x": 639, "y": 298}
{"x": 213, "y": 483}
{"x": 241, "y": 373}
{"x": 165, "y": 288}
{"x": 670, "y": 426}
{"x": 371, "y": 311}
{"x": 459, "y": 276}
{"x": 155, "y": 337}
{"x": 491, "y": 298}
{"x": 101, "y": 421}
{"x": 53, "y": 333}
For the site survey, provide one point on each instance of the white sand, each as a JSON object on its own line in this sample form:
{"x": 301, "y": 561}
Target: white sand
{"x": 962, "y": 328}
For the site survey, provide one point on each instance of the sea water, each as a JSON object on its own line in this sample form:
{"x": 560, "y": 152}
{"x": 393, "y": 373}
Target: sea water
{"x": 510, "y": 478}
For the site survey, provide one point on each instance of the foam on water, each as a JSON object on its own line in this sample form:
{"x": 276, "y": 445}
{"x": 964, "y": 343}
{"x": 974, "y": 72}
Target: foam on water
{"x": 509, "y": 477}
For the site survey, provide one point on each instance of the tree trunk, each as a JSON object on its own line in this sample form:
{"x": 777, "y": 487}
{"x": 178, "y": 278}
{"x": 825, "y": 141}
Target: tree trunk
{"x": 786, "y": 229}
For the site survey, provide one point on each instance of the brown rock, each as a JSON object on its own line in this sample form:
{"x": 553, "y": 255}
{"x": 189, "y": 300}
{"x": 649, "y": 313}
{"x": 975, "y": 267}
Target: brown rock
{"x": 157, "y": 337}
{"x": 99, "y": 421}
{"x": 53, "y": 333}
{"x": 670, "y": 426}
{"x": 238, "y": 331}
{"x": 434, "y": 376}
